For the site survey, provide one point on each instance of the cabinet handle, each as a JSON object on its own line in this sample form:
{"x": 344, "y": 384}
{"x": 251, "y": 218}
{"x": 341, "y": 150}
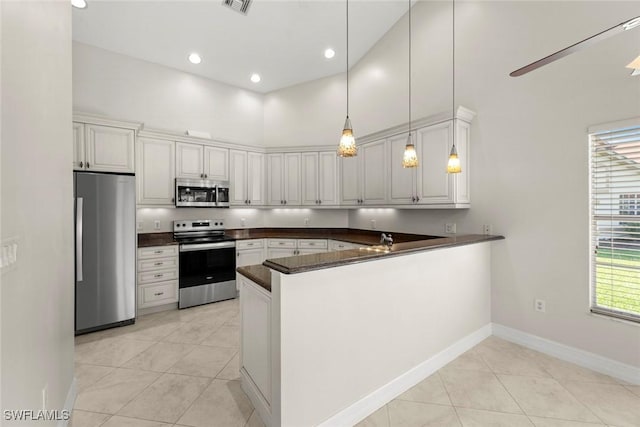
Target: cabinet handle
{"x": 417, "y": 199}
{"x": 88, "y": 166}
{"x": 319, "y": 202}
{"x": 206, "y": 176}
{"x": 249, "y": 244}
{"x": 158, "y": 294}
{"x": 159, "y": 263}
{"x": 81, "y": 164}
{"x": 238, "y": 254}
{"x": 158, "y": 275}
{"x": 173, "y": 199}
{"x": 158, "y": 252}
{"x": 312, "y": 244}
{"x": 281, "y": 243}
{"x": 285, "y": 202}
{"x": 249, "y": 201}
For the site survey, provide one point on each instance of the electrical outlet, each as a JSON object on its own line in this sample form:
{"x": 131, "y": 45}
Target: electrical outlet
{"x": 487, "y": 229}
{"x": 541, "y": 306}
{"x": 140, "y": 225}
{"x": 450, "y": 228}
{"x": 243, "y": 222}
{"x": 9, "y": 254}
{"x": 306, "y": 221}
{"x": 45, "y": 397}
{"x": 156, "y": 224}
{"x": 373, "y": 224}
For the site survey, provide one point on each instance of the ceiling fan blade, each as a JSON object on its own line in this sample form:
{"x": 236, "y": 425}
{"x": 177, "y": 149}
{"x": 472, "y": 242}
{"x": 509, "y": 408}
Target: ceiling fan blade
{"x": 616, "y": 29}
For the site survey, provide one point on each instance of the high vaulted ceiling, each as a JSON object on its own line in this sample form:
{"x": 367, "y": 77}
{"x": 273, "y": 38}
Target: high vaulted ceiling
{"x": 283, "y": 41}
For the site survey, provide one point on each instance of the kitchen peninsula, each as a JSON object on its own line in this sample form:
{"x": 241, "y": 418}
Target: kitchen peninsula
{"x": 328, "y": 338}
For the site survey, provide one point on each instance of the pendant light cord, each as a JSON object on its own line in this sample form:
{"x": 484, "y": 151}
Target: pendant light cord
{"x": 347, "y": 58}
{"x": 410, "y": 69}
{"x": 453, "y": 70}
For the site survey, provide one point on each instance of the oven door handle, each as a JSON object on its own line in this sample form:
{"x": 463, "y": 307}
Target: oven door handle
{"x": 206, "y": 246}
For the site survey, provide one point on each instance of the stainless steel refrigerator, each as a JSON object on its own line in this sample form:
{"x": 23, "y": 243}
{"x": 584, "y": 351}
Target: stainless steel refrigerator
{"x": 105, "y": 241}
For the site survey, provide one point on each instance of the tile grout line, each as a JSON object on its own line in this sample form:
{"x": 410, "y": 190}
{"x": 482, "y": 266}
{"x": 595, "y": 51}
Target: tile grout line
{"x": 582, "y": 403}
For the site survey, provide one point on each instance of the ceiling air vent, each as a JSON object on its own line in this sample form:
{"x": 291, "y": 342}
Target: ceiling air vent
{"x": 241, "y": 6}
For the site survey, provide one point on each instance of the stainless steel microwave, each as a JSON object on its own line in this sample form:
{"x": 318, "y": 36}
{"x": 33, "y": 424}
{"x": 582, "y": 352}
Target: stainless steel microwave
{"x": 202, "y": 193}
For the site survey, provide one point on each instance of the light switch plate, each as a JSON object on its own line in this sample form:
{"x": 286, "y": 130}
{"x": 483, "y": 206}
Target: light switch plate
{"x": 9, "y": 254}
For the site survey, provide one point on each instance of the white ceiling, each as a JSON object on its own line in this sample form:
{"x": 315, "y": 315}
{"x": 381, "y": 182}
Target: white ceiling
{"x": 283, "y": 41}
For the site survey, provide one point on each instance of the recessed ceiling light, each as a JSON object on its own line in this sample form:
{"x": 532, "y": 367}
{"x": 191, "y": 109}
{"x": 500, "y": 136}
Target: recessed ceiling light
{"x": 255, "y": 77}
{"x": 329, "y": 53}
{"x": 80, "y": 4}
{"x": 194, "y": 58}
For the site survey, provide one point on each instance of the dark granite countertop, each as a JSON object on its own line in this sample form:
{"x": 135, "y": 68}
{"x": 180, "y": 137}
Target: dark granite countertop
{"x": 258, "y": 274}
{"x": 362, "y": 237}
{"x": 302, "y": 263}
{"x": 155, "y": 239}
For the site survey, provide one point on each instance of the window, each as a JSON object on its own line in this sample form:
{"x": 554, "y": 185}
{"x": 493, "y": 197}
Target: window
{"x": 615, "y": 222}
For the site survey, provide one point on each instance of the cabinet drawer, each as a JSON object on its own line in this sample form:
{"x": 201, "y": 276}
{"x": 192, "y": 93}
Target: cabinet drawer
{"x": 157, "y": 276}
{"x": 161, "y": 293}
{"x": 157, "y": 264}
{"x": 157, "y": 251}
{"x": 341, "y": 246}
{"x": 312, "y": 244}
{"x": 281, "y": 243}
{"x": 249, "y": 244}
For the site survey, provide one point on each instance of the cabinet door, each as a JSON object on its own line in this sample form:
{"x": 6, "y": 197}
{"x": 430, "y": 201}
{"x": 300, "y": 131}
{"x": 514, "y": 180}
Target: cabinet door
{"x": 328, "y": 178}
{"x": 249, "y": 257}
{"x": 156, "y": 171}
{"x": 78, "y": 146}
{"x": 291, "y": 179}
{"x": 109, "y": 149}
{"x": 350, "y": 180}
{"x": 402, "y": 181}
{"x": 255, "y": 178}
{"x": 435, "y": 186}
{"x": 374, "y": 173}
{"x": 189, "y": 160}
{"x": 255, "y": 306}
{"x": 280, "y": 252}
{"x": 216, "y": 163}
{"x": 311, "y": 251}
{"x": 238, "y": 181}
{"x": 310, "y": 172}
{"x": 275, "y": 171}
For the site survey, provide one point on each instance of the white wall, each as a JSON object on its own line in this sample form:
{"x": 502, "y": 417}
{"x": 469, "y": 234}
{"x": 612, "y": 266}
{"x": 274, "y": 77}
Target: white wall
{"x": 37, "y": 295}
{"x": 529, "y": 159}
{"x": 378, "y": 86}
{"x": 253, "y": 218}
{"x": 122, "y": 87}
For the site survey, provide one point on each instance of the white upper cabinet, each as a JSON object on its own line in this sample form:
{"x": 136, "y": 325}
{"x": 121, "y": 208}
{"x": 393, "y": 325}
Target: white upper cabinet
{"x": 155, "y": 171}
{"x": 198, "y": 161}
{"x": 283, "y": 179}
{"x": 319, "y": 178}
{"x": 103, "y": 148}
{"x": 247, "y": 178}
{"x": 78, "y": 146}
{"x": 374, "y": 172}
{"x": 350, "y": 181}
{"x": 216, "y": 163}
{"x": 190, "y": 160}
{"x": 402, "y": 181}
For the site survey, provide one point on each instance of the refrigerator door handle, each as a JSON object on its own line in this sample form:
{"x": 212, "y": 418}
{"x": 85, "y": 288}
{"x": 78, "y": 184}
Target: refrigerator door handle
{"x": 79, "y": 206}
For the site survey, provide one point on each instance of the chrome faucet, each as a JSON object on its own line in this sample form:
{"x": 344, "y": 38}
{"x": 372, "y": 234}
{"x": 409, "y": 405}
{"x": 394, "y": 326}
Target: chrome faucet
{"x": 386, "y": 239}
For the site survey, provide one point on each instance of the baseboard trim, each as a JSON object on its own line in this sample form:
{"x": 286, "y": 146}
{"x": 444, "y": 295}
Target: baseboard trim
{"x": 580, "y": 357}
{"x": 69, "y": 402}
{"x": 369, "y": 404}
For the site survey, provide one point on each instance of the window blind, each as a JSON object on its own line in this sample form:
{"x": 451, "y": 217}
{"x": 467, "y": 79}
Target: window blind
{"x": 615, "y": 223}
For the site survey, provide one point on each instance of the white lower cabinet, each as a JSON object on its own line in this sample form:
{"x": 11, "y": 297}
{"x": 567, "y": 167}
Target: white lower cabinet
{"x": 337, "y": 245}
{"x": 249, "y": 252}
{"x": 255, "y": 337}
{"x": 157, "y": 276}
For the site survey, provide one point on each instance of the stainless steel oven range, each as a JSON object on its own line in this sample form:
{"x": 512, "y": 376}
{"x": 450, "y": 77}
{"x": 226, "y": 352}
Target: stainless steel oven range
{"x": 207, "y": 262}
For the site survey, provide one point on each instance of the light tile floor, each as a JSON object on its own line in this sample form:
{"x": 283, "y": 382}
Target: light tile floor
{"x": 180, "y": 368}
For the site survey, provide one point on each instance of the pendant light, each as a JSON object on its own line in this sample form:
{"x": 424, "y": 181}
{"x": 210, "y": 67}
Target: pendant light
{"x": 347, "y": 147}
{"x": 453, "y": 166}
{"x": 410, "y": 157}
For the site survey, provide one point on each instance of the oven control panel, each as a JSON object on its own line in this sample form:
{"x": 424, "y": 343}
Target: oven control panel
{"x": 198, "y": 225}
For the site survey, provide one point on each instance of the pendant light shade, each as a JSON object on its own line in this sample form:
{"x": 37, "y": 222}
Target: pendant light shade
{"x": 410, "y": 157}
{"x": 453, "y": 165}
{"x": 347, "y": 146}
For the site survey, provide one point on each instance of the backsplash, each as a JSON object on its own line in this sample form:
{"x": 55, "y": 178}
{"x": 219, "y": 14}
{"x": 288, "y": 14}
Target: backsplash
{"x": 242, "y": 217}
